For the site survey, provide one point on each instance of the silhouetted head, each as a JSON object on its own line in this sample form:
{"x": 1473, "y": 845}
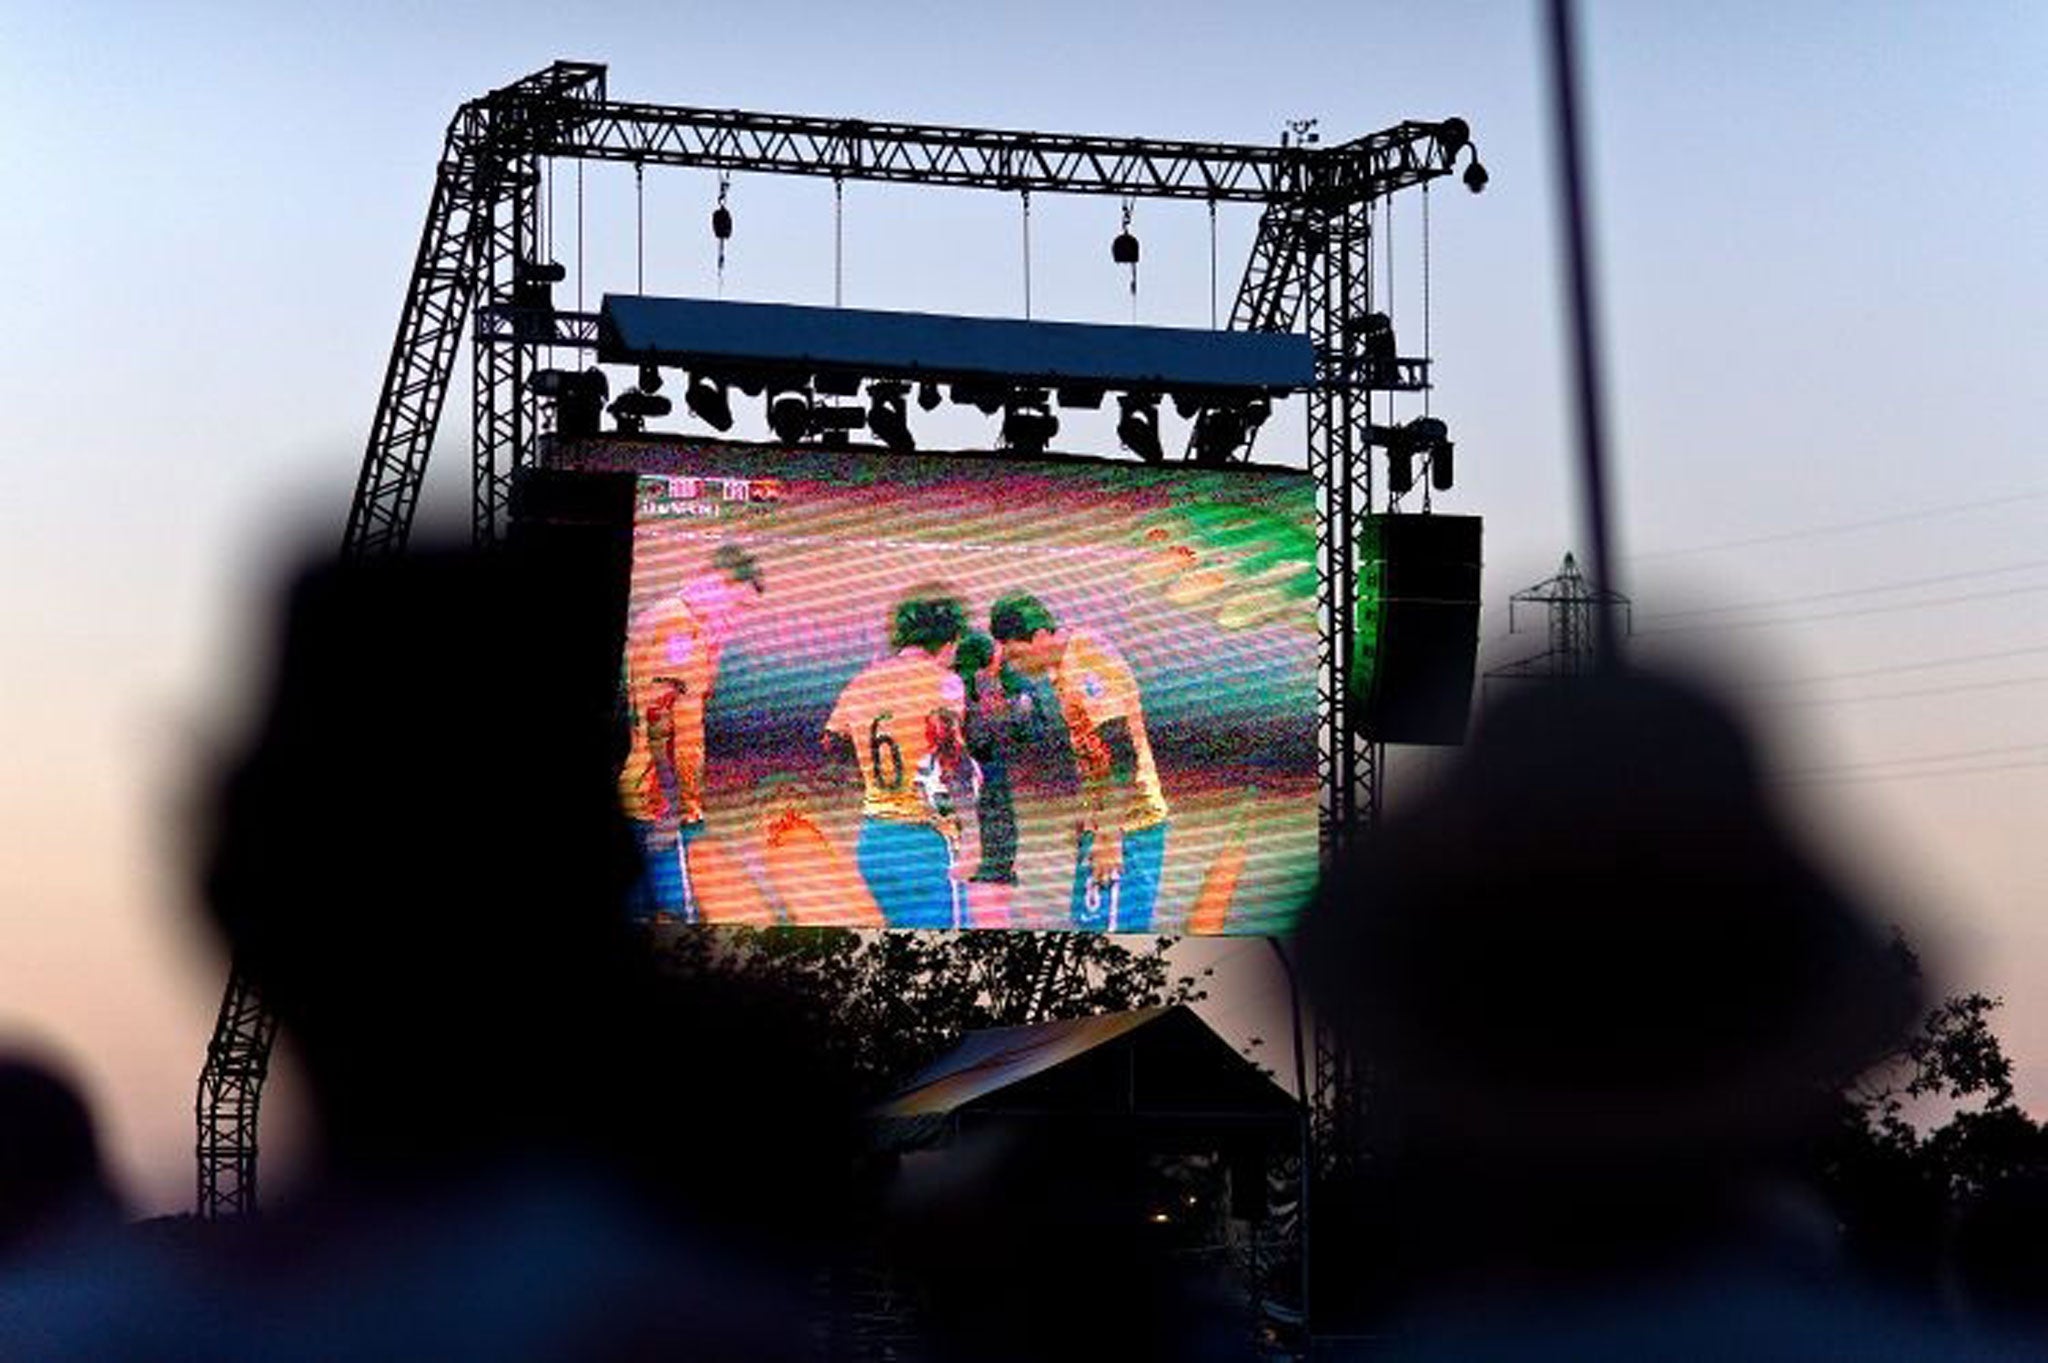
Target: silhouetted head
{"x": 1599, "y": 946}
{"x": 49, "y": 1154}
{"x": 419, "y": 860}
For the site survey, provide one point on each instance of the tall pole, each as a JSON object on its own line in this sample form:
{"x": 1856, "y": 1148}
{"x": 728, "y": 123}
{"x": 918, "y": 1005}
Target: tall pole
{"x": 1584, "y": 320}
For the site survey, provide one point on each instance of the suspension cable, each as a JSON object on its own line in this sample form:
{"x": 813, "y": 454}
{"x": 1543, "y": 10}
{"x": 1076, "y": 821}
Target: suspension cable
{"x": 721, "y": 225}
{"x": 1428, "y": 355}
{"x": 1212, "y": 265}
{"x": 548, "y": 236}
{"x": 1387, "y": 225}
{"x": 1428, "y": 374}
{"x": 838, "y": 240}
{"x": 1372, "y": 213}
{"x": 1026, "y": 196}
{"x": 579, "y": 236}
{"x": 639, "y": 227}
{"x": 1129, "y": 205}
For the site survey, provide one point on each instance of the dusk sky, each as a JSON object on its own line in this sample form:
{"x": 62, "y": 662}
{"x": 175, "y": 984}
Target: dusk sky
{"x": 1821, "y": 232}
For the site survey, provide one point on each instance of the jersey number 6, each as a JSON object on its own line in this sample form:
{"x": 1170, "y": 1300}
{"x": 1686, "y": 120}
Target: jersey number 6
{"x": 881, "y": 746}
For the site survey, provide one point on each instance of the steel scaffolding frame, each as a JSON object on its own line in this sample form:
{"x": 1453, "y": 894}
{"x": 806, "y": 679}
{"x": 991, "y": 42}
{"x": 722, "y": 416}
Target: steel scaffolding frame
{"x": 1310, "y": 264}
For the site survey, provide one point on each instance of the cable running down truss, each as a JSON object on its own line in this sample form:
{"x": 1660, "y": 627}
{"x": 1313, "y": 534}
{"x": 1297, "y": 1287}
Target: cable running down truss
{"x": 1309, "y": 266}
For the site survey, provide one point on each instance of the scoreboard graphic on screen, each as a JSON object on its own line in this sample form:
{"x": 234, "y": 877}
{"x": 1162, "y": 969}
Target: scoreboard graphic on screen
{"x": 935, "y": 691}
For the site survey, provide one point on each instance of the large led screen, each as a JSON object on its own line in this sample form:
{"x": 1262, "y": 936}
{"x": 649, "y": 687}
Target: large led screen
{"x": 969, "y": 692}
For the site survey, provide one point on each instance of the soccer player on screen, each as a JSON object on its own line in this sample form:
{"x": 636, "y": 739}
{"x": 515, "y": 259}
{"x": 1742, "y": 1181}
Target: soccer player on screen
{"x": 902, "y": 718}
{"x": 672, "y": 653}
{"x": 1121, "y": 843}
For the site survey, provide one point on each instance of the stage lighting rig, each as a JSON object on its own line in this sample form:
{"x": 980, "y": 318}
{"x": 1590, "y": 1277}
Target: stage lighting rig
{"x": 983, "y": 395}
{"x": 789, "y": 414}
{"x": 889, "y": 414}
{"x": 1137, "y": 426}
{"x": 650, "y": 378}
{"x": 1219, "y": 431}
{"x": 1400, "y": 471}
{"x": 1222, "y": 429}
{"x": 1455, "y": 135}
{"x": 831, "y": 423}
{"x": 1028, "y": 421}
{"x": 578, "y": 397}
{"x": 533, "y": 283}
{"x": 709, "y": 400}
{"x": 1424, "y": 437}
{"x": 632, "y": 408}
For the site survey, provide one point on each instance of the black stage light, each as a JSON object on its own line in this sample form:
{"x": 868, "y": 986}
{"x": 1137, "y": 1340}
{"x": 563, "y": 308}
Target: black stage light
{"x": 1453, "y": 133}
{"x": 889, "y": 415}
{"x": 709, "y": 400}
{"x": 632, "y": 408}
{"x": 721, "y": 223}
{"x": 1400, "y": 469}
{"x": 1124, "y": 250}
{"x": 1475, "y": 176}
{"x": 789, "y": 415}
{"x": 928, "y": 396}
{"x": 833, "y": 421}
{"x": 1137, "y": 426}
{"x": 650, "y": 378}
{"x": 985, "y": 397}
{"x": 539, "y": 271}
{"x": 1441, "y": 468}
{"x": 1219, "y": 431}
{"x": 547, "y": 383}
{"x": 533, "y": 287}
{"x": 1028, "y": 422}
{"x": 1187, "y": 406}
{"x": 752, "y": 382}
{"x": 578, "y": 397}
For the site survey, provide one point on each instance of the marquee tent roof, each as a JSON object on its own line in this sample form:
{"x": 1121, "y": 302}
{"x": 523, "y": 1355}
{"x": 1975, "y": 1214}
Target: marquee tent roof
{"x": 1148, "y": 1064}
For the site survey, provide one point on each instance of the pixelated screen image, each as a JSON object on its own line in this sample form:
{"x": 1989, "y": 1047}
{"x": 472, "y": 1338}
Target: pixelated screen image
{"x": 934, "y": 691}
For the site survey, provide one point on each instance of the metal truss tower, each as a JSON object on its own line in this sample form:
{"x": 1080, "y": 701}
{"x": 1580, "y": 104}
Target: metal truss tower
{"x": 1573, "y": 607}
{"x": 1310, "y": 266}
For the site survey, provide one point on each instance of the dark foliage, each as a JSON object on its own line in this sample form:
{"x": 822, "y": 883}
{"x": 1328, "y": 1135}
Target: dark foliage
{"x": 884, "y": 1005}
{"x": 1934, "y": 1170}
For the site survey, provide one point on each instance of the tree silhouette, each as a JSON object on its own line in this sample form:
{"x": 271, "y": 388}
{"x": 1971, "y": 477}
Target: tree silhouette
{"x": 885, "y": 1004}
{"x": 1931, "y": 1139}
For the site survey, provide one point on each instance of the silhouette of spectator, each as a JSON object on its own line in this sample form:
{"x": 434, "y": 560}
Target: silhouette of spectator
{"x": 1998, "y": 1251}
{"x": 53, "y": 1187}
{"x": 531, "y": 1144}
{"x": 1604, "y": 995}
{"x": 1035, "y": 1242}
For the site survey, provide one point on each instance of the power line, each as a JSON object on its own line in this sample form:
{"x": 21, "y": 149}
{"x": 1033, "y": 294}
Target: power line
{"x": 1838, "y": 594}
{"x": 1823, "y": 779}
{"x": 1925, "y": 665}
{"x": 1925, "y": 759}
{"x": 1847, "y": 527}
{"x": 1992, "y": 685}
{"x": 1860, "y": 610}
